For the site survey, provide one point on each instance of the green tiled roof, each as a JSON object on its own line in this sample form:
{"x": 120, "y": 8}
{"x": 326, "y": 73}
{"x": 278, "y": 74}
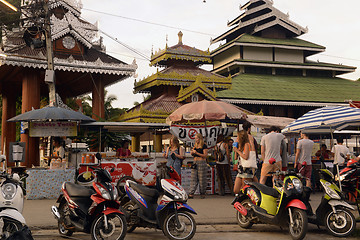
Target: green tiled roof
{"x": 292, "y": 88}
{"x": 296, "y": 42}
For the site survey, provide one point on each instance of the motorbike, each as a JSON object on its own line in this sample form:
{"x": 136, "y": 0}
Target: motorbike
{"x": 172, "y": 215}
{"x": 333, "y": 211}
{"x": 11, "y": 202}
{"x": 350, "y": 182}
{"x": 280, "y": 205}
{"x": 93, "y": 210}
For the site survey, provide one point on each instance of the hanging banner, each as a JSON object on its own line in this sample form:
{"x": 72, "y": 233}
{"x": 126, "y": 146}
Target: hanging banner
{"x": 45, "y": 129}
{"x": 186, "y": 133}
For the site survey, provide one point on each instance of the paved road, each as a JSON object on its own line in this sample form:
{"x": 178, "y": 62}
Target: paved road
{"x": 205, "y": 232}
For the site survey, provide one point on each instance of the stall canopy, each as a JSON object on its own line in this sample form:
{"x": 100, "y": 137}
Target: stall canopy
{"x": 51, "y": 113}
{"x": 268, "y": 121}
{"x": 129, "y": 127}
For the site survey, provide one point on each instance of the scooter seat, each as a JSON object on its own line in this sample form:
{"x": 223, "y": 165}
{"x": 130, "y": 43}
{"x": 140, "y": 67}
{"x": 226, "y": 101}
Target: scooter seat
{"x": 265, "y": 189}
{"x": 75, "y": 190}
{"x": 145, "y": 190}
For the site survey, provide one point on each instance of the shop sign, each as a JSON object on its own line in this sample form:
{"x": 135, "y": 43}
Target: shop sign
{"x": 186, "y": 133}
{"x": 44, "y": 129}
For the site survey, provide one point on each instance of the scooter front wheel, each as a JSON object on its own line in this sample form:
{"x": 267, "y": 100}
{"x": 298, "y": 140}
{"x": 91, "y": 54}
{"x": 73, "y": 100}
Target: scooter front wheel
{"x": 341, "y": 224}
{"x": 10, "y": 226}
{"x": 113, "y": 228}
{"x": 185, "y": 231}
{"x": 298, "y": 228}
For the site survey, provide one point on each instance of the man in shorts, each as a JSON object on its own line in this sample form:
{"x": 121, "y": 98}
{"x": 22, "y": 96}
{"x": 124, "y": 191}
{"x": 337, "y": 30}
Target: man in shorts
{"x": 270, "y": 148}
{"x": 303, "y": 155}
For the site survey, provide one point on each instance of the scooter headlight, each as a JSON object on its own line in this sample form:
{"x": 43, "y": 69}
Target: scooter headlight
{"x": 8, "y": 191}
{"x": 298, "y": 185}
{"x": 104, "y": 193}
{"x": 329, "y": 191}
{"x": 115, "y": 192}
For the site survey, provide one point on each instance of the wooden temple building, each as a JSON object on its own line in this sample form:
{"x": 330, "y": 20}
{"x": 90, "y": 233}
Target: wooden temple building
{"x": 80, "y": 62}
{"x": 180, "y": 82}
{"x": 269, "y": 65}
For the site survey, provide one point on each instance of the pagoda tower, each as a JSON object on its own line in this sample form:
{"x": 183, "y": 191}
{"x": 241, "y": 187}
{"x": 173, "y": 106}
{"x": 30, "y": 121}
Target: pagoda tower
{"x": 269, "y": 65}
{"x": 80, "y": 62}
{"x": 180, "y": 82}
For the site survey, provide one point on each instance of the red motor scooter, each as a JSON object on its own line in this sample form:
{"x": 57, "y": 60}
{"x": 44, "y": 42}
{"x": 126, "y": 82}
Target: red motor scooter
{"x": 92, "y": 210}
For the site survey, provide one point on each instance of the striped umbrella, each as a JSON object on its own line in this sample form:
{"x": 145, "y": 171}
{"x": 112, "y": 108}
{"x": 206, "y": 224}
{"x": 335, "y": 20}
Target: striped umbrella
{"x": 325, "y": 120}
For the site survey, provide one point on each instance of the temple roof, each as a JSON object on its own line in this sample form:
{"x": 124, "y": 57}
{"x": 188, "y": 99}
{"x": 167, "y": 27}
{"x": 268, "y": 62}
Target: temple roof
{"x": 196, "y": 87}
{"x": 288, "y": 43}
{"x": 153, "y": 110}
{"x": 260, "y": 15}
{"x": 71, "y": 5}
{"x": 270, "y": 88}
{"x": 177, "y": 75}
{"x": 92, "y": 60}
{"x": 180, "y": 52}
{"x": 308, "y": 65}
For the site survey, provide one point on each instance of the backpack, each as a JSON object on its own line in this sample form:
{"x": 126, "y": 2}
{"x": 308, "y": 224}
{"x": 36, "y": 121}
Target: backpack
{"x": 219, "y": 156}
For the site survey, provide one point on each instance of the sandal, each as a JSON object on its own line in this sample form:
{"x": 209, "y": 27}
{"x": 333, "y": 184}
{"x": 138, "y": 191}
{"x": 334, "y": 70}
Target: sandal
{"x": 191, "y": 196}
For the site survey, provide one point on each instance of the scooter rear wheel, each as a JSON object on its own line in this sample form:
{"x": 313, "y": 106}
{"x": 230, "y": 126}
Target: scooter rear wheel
{"x": 243, "y": 221}
{"x": 129, "y": 207}
{"x": 116, "y": 227}
{"x": 341, "y": 224}
{"x": 64, "y": 210}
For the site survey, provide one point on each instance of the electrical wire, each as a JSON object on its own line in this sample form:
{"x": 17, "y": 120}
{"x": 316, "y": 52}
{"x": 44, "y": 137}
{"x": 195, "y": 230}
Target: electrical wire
{"x": 148, "y": 22}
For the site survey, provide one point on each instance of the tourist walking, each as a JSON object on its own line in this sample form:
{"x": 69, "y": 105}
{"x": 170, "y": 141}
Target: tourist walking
{"x": 247, "y": 163}
{"x": 247, "y": 128}
{"x": 270, "y": 148}
{"x": 303, "y": 155}
{"x": 174, "y": 154}
{"x": 338, "y": 150}
{"x": 199, "y": 168}
{"x": 223, "y": 172}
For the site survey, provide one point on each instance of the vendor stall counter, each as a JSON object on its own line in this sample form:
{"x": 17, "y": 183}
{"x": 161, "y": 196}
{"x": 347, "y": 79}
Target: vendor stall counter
{"x": 46, "y": 183}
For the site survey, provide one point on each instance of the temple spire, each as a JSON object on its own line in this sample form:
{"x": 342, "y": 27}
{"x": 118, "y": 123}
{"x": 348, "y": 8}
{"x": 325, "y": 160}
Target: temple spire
{"x": 180, "y": 34}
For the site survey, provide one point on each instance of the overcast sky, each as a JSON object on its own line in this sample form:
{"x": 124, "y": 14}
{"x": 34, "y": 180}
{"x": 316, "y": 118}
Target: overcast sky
{"x": 333, "y": 24}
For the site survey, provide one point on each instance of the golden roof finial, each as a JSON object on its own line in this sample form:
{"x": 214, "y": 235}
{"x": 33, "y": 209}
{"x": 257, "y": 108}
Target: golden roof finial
{"x": 166, "y": 46}
{"x": 180, "y": 34}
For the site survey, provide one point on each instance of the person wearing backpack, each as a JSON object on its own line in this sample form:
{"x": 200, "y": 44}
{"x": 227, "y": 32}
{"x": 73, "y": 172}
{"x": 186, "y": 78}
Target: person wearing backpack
{"x": 174, "y": 154}
{"x": 222, "y": 156}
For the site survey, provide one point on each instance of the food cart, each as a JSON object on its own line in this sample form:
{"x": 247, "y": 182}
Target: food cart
{"x": 141, "y": 167}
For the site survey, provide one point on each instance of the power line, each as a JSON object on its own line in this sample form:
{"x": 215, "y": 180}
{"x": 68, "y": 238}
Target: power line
{"x": 352, "y": 59}
{"x": 148, "y": 22}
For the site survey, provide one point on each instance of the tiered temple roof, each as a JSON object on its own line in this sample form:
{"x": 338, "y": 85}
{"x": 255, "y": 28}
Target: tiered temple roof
{"x": 180, "y": 82}
{"x": 85, "y": 54}
{"x": 268, "y": 63}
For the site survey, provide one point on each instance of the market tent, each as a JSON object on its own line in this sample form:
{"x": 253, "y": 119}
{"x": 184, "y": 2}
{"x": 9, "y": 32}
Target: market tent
{"x": 268, "y": 121}
{"x": 130, "y": 127}
{"x": 51, "y": 113}
{"x": 325, "y": 120}
{"x": 206, "y": 111}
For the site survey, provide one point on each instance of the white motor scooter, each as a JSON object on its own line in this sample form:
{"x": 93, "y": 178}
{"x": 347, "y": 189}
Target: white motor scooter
{"x": 11, "y": 202}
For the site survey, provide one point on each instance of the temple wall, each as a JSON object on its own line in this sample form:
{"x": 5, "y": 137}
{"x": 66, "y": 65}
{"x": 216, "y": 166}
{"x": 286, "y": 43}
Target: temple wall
{"x": 259, "y": 54}
{"x": 227, "y": 56}
{"x": 286, "y": 55}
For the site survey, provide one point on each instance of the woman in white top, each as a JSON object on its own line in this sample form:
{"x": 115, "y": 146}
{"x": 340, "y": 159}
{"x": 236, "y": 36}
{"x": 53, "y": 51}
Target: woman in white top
{"x": 247, "y": 163}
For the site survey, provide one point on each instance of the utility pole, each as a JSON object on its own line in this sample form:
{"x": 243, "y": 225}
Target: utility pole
{"x": 50, "y": 73}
